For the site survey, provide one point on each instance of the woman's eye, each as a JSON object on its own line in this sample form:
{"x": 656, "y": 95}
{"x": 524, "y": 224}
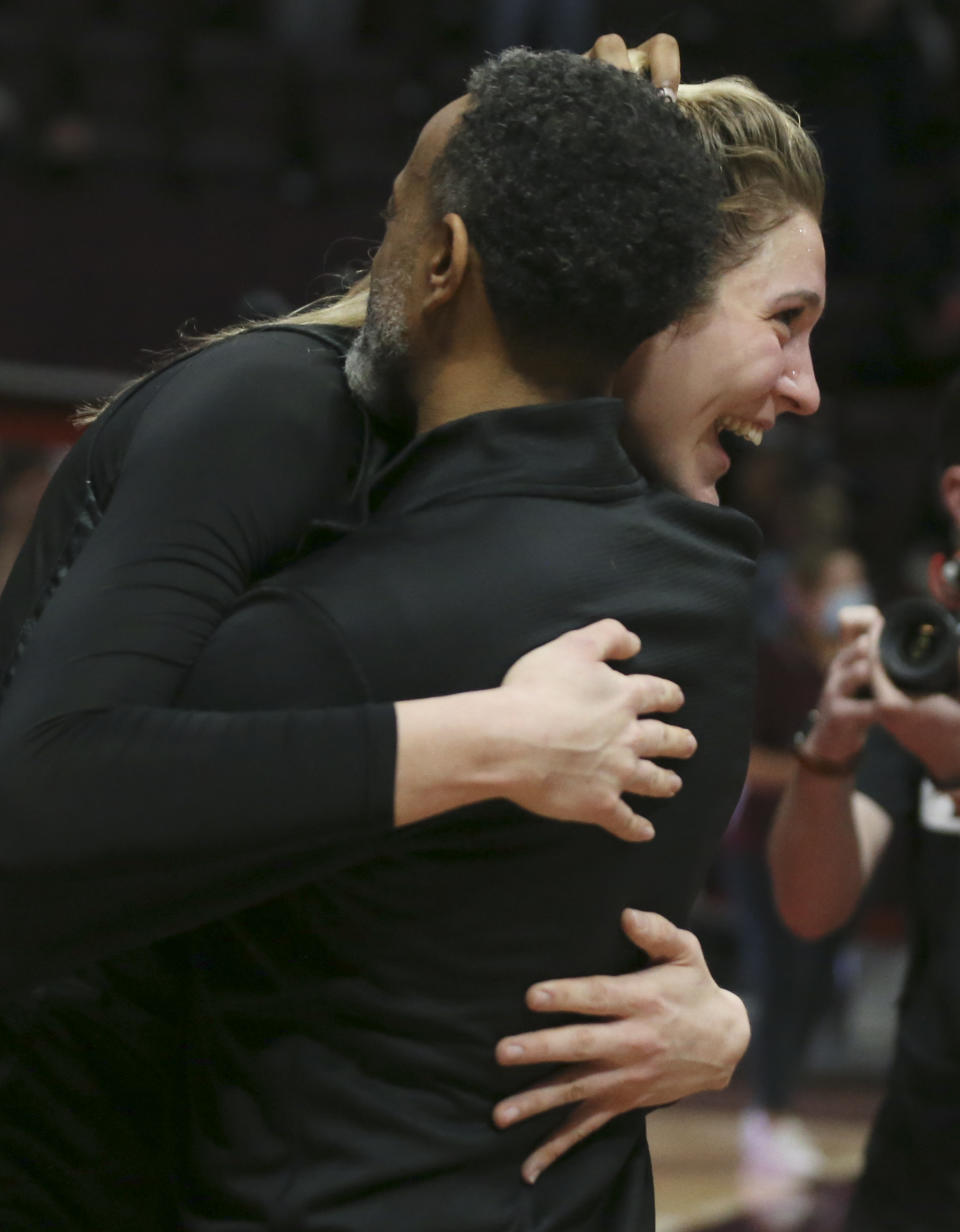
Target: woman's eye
{"x": 788, "y": 316}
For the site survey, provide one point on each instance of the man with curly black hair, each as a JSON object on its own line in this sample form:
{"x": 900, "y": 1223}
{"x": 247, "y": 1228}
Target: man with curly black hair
{"x": 345, "y": 1033}
{"x": 578, "y": 213}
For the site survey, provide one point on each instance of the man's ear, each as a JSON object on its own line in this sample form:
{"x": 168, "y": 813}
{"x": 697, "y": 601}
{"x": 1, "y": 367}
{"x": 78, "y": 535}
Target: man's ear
{"x": 448, "y": 261}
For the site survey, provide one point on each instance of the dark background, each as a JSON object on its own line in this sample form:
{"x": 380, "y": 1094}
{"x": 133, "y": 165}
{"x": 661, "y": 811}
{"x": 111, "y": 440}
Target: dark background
{"x": 167, "y": 165}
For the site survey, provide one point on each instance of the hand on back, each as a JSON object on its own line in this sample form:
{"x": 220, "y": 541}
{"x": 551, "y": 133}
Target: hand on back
{"x": 582, "y": 743}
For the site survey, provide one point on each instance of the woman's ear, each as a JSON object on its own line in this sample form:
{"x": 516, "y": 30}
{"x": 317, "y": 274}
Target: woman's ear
{"x": 448, "y": 261}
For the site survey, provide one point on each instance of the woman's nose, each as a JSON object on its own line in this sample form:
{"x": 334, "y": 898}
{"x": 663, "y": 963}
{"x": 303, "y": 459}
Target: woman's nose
{"x": 798, "y": 384}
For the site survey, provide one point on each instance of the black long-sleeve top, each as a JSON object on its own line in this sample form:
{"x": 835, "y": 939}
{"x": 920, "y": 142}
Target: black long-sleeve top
{"x": 921, "y": 1108}
{"x": 122, "y": 819}
{"x": 342, "y": 1036}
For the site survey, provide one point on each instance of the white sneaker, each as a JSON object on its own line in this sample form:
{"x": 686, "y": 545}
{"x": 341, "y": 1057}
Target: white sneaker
{"x": 778, "y": 1146}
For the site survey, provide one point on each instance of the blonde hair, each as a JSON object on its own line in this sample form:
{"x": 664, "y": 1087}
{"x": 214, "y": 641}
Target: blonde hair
{"x": 348, "y": 309}
{"x": 770, "y": 164}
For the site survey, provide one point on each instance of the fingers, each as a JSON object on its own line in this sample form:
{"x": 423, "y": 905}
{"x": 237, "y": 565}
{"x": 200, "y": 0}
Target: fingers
{"x": 654, "y": 738}
{"x": 660, "y": 939}
{"x": 580, "y": 1124}
{"x": 575, "y": 1043}
{"x": 661, "y": 56}
{"x": 612, "y": 50}
{"x": 605, "y": 996}
{"x": 619, "y": 819}
{"x": 851, "y": 668}
{"x": 856, "y": 619}
{"x": 846, "y": 707}
{"x": 605, "y": 639}
{"x": 655, "y": 781}
{"x": 884, "y": 690}
{"x": 651, "y": 694}
{"x": 850, "y": 674}
{"x": 571, "y": 1085}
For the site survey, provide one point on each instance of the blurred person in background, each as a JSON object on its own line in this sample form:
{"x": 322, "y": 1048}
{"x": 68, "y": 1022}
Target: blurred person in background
{"x": 791, "y": 980}
{"x": 872, "y": 761}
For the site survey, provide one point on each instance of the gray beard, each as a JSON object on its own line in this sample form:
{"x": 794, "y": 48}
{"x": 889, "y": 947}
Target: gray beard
{"x": 378, "y": 362}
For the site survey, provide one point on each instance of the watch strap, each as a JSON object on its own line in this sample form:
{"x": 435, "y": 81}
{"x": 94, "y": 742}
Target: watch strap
{"x": 822, "y": 765}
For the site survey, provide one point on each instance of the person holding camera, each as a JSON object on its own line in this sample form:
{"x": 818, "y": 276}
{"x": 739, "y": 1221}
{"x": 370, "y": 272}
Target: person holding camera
{"x": 873, "y": 758}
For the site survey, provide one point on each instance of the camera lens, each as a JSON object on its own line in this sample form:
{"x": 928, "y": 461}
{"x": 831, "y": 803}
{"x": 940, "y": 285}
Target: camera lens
{"x": 919, "y": 647}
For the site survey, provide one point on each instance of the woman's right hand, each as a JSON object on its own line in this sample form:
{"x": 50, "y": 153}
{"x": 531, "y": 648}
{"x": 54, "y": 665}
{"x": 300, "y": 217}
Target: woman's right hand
{"x": 657, "y": 1035}
{"x": 580, "y": 744}
{"x": 846, "y": 707}
{"x": 560, "y": 737}
{"x": 659, "y": 57}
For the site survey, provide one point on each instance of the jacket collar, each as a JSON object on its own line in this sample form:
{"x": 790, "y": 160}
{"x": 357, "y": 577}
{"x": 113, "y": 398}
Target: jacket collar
{"x": 558, "y": 448}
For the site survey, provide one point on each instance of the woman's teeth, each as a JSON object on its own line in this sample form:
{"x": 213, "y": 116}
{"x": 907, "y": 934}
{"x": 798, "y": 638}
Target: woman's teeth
{"x": 741, "y": 427}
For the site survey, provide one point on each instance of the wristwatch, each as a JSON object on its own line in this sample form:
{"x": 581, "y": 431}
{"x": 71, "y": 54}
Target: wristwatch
{"x": 812, "y": 761}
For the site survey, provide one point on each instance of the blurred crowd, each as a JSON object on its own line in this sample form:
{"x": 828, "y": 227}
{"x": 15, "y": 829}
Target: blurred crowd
{"x": 318, "y": 98}
{"x": 312, "y": 104}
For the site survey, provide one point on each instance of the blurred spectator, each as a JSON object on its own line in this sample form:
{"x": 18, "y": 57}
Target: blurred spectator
{"x": 795, "y": 491}
{"x": 791, "y": 980}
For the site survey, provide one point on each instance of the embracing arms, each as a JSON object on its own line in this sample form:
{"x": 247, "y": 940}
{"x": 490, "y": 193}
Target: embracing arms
{"x": 123, "y": 819}
{"x": 660, "y": 1034}
{"x": 560, "y": 737}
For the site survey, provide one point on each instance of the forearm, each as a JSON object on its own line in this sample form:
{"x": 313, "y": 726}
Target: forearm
{"x": 122, "y": 827}
{"x": 769, "y": 769}
{"x": 820, "y": 857}
{"x": 453, "y": 751}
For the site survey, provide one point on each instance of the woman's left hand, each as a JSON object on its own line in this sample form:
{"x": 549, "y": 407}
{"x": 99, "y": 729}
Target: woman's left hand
{"x": 670, "y": 1031}
{"x": 659, "y": 56}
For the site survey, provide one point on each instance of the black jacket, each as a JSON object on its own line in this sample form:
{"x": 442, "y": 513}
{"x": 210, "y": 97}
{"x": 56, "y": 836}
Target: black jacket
{"x": 200, "y": 480}
{"x": 122, "y": 820}
{"x": 343, "y": 1035}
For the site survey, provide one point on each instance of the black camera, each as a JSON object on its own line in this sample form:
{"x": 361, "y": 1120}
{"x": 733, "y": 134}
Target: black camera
{"x": 919, "y": 646}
